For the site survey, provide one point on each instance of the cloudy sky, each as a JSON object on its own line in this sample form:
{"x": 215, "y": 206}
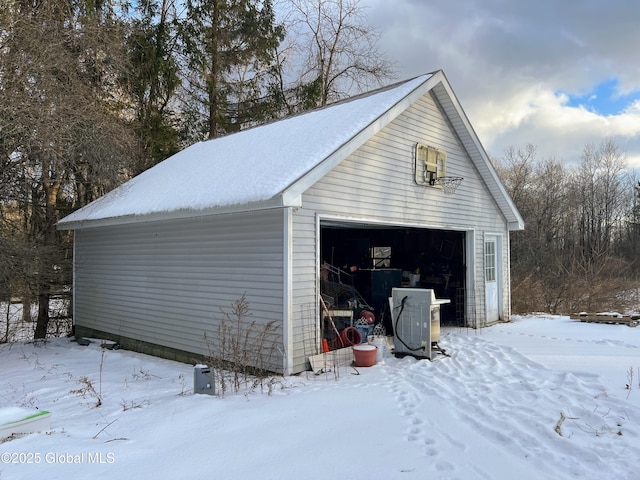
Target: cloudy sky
{"x": 558, "y": 74}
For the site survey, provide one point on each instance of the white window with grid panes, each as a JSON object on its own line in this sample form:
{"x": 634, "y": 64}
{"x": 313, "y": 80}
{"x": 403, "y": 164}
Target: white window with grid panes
{"x": 490, "y": 261}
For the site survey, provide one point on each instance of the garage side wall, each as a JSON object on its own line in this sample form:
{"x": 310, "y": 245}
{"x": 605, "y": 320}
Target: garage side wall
{"x": 376, "y": 184}
{"x": 161, "y": 285}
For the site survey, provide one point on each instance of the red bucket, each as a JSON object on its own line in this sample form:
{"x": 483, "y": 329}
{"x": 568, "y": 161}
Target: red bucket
{"x": 365, "y": 355}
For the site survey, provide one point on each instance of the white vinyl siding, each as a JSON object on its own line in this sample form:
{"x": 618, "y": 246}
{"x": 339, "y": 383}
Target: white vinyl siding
{"x": 376, "y": 183}
{"x": 377, "y": 180}
{"x": 304, "y": 287}
{"x": 167, "y": 283}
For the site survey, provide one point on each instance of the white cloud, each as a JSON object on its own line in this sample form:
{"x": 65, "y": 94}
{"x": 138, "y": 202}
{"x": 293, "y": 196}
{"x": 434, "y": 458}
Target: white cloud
{"x": 633, "y": 108}
{"x": 543, "y": 118}
{"x": 507, "y": 61}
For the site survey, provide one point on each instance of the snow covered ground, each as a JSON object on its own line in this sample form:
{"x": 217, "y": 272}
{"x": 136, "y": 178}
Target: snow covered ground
{"x": 492, "y": 410}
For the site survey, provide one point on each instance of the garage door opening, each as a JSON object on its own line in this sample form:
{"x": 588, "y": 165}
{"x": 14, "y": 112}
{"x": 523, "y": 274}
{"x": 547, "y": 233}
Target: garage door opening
{"x": 367, "y": 261}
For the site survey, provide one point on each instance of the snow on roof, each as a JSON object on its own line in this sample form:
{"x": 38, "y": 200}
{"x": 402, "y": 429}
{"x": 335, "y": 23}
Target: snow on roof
{"x": 250, "y": 166}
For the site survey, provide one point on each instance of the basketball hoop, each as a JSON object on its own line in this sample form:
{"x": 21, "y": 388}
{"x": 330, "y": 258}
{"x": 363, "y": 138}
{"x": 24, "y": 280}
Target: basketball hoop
{"x": 449, "y": 184}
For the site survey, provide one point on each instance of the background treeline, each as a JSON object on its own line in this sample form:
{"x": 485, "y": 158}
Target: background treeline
{"x": 579, "y": 250}
{"x": 93, "y": 92}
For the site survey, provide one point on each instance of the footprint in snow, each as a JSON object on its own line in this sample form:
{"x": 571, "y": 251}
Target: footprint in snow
{"x": 430, "y": 448}
{"x": 445, "y": 466}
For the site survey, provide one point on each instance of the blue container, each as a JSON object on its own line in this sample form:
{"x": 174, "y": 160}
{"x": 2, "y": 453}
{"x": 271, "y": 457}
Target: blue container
{"x": 365, "y": 331}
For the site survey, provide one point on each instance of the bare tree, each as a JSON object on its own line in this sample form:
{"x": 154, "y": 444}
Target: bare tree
{"x": 569, "y": 256}
{"x": 58, "y": 81}
{"x": 539, "y": 190}
{"x": 598, "y": 194}
{"x": 628, "y": 241}
{"x": 337, "y": 51}
{"x": 595, "y": 212}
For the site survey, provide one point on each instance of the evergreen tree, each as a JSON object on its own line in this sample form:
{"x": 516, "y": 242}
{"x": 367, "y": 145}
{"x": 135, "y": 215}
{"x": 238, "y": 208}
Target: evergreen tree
{"x": 152, "y": 79}
{"x": 229, "y": 47}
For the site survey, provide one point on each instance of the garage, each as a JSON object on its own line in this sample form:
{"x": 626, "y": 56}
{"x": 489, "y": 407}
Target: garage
{"x": 338, "y": 205}
{"x": 365, "y": 262}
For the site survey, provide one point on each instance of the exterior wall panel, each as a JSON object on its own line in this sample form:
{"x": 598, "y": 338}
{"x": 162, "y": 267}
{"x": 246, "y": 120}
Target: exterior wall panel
{"x": 376, "y": 183}
{"x": 166, "y": 282}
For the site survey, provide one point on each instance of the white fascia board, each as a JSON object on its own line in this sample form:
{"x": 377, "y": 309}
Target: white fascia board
{"x": 516, "y": 226}
{"x": 512, "y": 214}
{"x": 293, "y": 193}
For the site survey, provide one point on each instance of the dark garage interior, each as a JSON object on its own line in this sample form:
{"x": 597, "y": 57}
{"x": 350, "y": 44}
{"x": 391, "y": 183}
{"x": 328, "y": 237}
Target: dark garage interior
{"x": 367, "y": 261}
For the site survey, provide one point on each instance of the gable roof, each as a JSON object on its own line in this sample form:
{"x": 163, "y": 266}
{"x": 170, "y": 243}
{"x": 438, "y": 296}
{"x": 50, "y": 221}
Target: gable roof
{"x": 273, "y": 164}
